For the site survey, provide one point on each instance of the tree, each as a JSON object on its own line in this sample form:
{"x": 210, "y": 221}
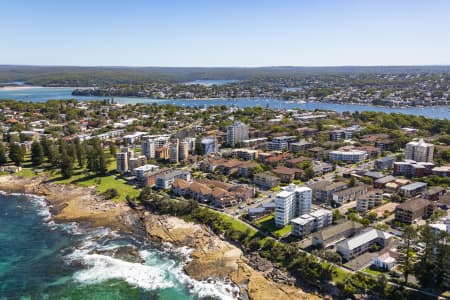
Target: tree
{"x": 66, "y": 166}
{"x": 16, "y": 154}
{"x": 79, "y": 152}
{"x": 3, "y": 159}
{"x": 406, "y": 256}
{"x": 37, "y": 154}
{"x": 112, "y": 149}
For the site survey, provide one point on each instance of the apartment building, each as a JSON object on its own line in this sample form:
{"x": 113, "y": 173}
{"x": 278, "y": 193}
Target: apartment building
{"x": 280, "y": 143}
{"x": 245, "y": 154}
{"x": 164, "y": 180}
{"x": 413, "y": 189}
{"x": 291, "y": 202}
{"x": 237, "y": 133}
{"x": 384, "y": 163}
{"x": 308, "y": 223}
{"x": 411, "y": 168}
{"x": 173, "y": 152}
{"x": 349, "y": 156}
{"x": 370, "y": 200}
{"x": 361, "y": 243}
{"x": 349, "y": 194}
{"x": 266, "y": 180}
{"x": 411, "y": 210}
{"x": 419, "y": 151}
{"x": 323, "y": 190}
{"x": 148, "y": 148}
{"x": 330, "y": 235}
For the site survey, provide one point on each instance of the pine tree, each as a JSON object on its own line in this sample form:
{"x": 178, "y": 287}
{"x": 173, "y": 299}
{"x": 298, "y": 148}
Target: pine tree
{"x": 112, "y": 149}
{"x": 16, "y": 153}
{"x": 79, "y": 151}
{"x": 406, "y": 258}
{"x": 66, "y": 166}
{"x": 3, "y": 159}
{"x": 37, "y": 154}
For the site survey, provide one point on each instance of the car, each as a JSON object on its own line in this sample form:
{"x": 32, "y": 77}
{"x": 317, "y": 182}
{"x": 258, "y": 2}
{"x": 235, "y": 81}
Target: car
{"x": 242, "y": 206}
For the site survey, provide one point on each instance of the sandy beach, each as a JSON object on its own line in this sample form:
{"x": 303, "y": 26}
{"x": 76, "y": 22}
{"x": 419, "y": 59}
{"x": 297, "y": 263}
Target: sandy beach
{"x": 18, "y": 88}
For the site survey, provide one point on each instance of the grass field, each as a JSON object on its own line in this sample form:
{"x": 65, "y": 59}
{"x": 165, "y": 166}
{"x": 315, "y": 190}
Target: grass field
{"x": 268, "y": 224}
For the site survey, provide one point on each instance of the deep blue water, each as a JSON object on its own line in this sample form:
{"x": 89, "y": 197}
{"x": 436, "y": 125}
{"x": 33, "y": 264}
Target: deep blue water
{"x": 44, "y": 94}
{"x": 42, "y": 260}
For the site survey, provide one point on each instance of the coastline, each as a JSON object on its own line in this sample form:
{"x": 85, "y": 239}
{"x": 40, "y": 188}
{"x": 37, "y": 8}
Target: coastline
{"x": 17, "y": 88}
{"x": 211, "y": 258}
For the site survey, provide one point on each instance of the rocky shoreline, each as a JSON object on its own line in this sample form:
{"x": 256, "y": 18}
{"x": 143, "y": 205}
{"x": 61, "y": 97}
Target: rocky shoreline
{"x": 211, "y": 258}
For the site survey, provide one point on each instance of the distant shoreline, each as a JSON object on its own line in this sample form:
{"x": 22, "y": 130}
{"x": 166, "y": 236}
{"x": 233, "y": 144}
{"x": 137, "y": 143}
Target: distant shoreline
{"x": 17, "y": 87}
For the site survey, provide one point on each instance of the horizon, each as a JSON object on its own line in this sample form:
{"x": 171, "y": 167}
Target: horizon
{"x": 225, "y": 67}
{"x": 229, "y": 34}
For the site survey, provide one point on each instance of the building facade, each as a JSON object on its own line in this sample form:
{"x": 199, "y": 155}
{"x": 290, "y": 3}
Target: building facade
{"x": 292, "y": 202}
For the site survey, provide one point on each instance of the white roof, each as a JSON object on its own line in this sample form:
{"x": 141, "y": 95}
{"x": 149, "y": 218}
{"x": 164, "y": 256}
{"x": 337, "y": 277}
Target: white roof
{"x": 303, "y": 219}
{"x": 364, "y": 238}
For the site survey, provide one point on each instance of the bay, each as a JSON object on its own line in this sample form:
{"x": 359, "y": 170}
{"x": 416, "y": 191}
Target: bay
{"x": 41, "y": 94}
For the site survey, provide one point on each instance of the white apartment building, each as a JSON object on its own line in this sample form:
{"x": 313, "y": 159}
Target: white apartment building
{"x": 281, "y": 143}
{"x": 292, "y": 202}
{"x": 350, "y": 156}
{"x": 140, "y": 172}
{"x": 369, "y": 200}
{"x": 237, "y": 133}
{"x": 419, "y": 151}
{"x": 148, "y": 148}
{"x": 307, "y": 223}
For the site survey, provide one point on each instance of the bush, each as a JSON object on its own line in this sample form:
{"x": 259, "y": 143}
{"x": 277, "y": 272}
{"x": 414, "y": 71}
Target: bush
{"x": 111, "y": 193}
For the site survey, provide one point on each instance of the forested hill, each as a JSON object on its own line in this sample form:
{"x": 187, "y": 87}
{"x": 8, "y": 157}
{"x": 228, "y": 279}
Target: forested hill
{"x": 101, "y": 76}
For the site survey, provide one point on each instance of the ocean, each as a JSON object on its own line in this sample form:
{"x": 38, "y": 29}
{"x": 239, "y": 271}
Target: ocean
{"x": 37, "y": 94}
{"x": 43, "y": 260}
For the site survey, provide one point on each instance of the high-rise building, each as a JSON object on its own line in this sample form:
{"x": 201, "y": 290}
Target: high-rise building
{"x": 183, "y": 152}
{"x": 148, "y": 148}
{"x": 419, "y": 151}
{"x": 122, "y": 162}
{"x": 208, "y": 145}
{"x": 237, "y": 133}
{"x": 292, "y": 202}
{"x": 173, "y": 152}
{"x": 191, "y": 143}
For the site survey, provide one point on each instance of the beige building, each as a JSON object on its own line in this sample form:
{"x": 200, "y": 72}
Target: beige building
{"x": 419, "y": 151}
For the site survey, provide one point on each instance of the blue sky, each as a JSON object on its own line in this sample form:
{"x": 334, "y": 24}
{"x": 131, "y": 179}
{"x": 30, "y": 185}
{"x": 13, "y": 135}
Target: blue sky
{"x": 225, "y": 33}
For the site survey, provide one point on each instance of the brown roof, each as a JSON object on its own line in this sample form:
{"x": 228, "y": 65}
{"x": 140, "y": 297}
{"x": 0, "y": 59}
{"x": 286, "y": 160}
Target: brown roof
{"x": 180, "y": 183}
{"x": 232, "y": 163}
{"x": 215, "y": 183}
{"x": 218, "y": 192}
{"x": 300, "y": 159}
{"x": 199, "y": 188}
{"x": 414, "y": 204}
{"x": 286, "y": 171}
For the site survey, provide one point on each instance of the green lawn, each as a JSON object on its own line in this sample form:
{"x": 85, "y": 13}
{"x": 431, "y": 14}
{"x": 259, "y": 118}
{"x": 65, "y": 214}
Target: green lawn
{"x": 27, "y": 173}
{"x": 268, "y": 224}
{"x": 373, "y": 271}
{"x": 339, "y": 275}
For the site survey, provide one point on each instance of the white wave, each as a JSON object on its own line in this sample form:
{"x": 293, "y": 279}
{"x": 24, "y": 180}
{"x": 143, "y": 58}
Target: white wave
{"x": 103, "y": 268}
{"x": 202, "y": 289}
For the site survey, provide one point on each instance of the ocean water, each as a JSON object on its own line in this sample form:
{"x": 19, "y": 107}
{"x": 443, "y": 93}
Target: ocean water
{"x": 43, "y": 94}
{"x": 42, "y": 260}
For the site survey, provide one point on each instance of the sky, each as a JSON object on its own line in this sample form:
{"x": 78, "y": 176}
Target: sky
{"x": 207, "y": 33}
